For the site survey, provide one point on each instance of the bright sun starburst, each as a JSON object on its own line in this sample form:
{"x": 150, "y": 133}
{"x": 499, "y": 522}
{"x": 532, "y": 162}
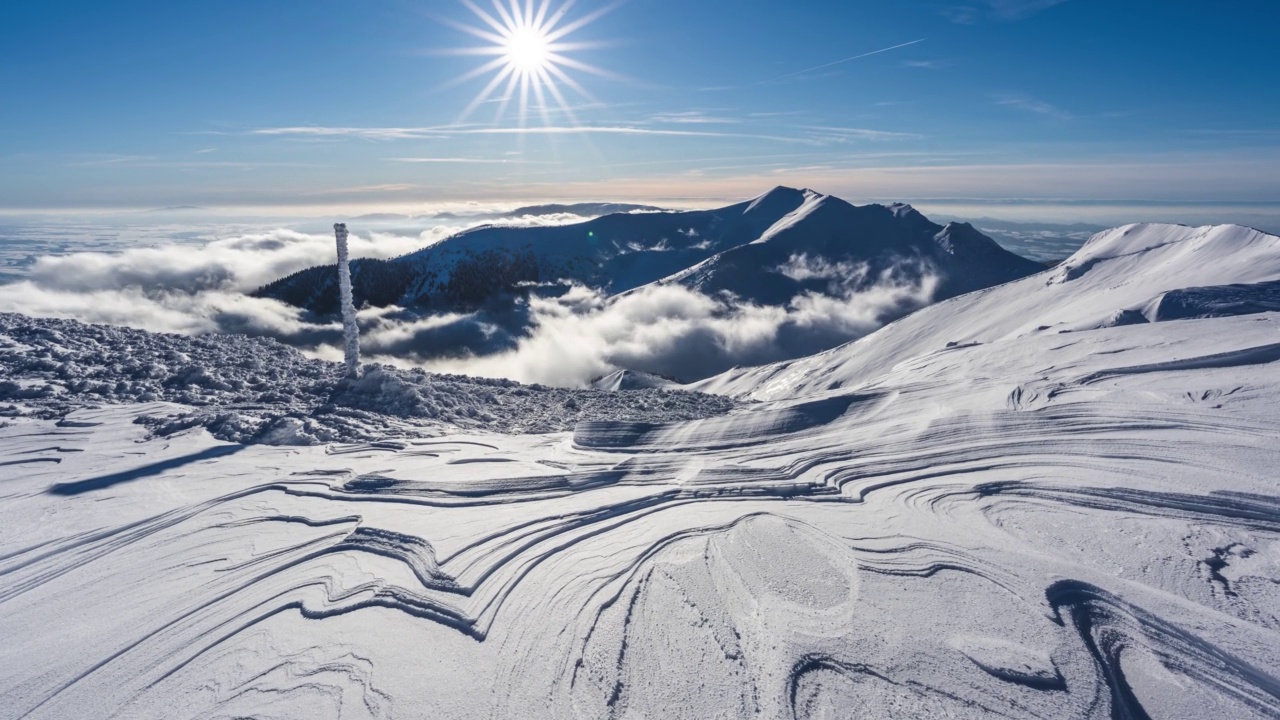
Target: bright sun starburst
{"x": 528, "y": 42}
{"x": 527, "y": 50}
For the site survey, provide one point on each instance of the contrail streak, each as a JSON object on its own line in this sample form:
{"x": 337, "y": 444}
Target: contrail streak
{"x": 848, "y": 59}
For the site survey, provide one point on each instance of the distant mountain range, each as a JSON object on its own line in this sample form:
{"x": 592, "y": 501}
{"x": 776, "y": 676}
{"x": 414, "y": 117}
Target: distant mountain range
{"x": 589, "y": 209}
{"x": 766, "y": 251}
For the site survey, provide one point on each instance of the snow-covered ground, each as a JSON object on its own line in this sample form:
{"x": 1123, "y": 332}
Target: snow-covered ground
{"x": 255, "y": 390}
{"x": 1055, "y": 498}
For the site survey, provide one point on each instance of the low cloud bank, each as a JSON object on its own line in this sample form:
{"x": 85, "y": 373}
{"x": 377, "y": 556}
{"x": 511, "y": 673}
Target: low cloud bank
{"x": 188, "y": 289}
{"x": 564, "y": 335}
{"x": 676, "y": 332}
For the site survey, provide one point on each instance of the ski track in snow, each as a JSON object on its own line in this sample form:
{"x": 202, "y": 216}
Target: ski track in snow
{"x": 1027, "y": 524}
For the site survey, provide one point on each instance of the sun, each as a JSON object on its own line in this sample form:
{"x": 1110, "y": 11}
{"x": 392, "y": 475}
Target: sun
{"x": 528, "y": 42}
{"x": 527, "y": 51}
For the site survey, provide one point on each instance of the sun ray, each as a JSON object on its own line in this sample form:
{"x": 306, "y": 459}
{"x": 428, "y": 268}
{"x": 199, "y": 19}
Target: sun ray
{"x": 524, "y": 101}
{"x": 540, "y": 19}
{"x": 486, "y": 68}
{"x": 582, "y": 22}
{"x": 557, "y": 60}
{"x": 484, "y": 95}
{"x": 543, "y": 109}
{"x": 510, "y": 92}
{"x": 470, "y": 52}
{"x": 561, "y": 13}
{"x": 564, "y": 77}
{"x": 527, "y": 41}
{"x": 581, "y": 45}
{"x": 485, "y": 17}
{"x": 485, "y": 35}
{"x": 506, "y": 15}
{"x": 560, "y": 99}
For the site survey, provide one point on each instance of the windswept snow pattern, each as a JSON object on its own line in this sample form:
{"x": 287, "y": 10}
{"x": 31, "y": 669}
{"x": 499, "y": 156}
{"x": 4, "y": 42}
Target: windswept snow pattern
{"x": 949, "y": 520}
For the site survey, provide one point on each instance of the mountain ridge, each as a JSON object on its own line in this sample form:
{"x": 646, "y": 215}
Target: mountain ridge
{"x": 1143, "y": 273}
{"x": 745, "y": 243}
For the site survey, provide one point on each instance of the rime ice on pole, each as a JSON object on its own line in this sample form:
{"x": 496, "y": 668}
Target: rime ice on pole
{"x": 350, "y": 331}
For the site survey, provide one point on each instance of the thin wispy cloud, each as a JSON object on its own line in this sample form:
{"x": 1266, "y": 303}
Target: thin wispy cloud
{"x": 382, "y": 133}
{"x": 1238, "y": 132}
{"x": 817, "y": 135}
{"x": 737, "y": 162}
{"x": 1032, "y": 105}
{"x": 841, "y": 62}
{"x": 364, "y": 190}
{"x": 693, "y": 117}
{"x": 1018, "y": 9}
{"x": 928, "y": 64}
{"x": 104, "y": 159}
{"x": 624, "y": 130}
{"x": 459, "y": 161}
{"x": 448, "y": 132}
{"x": 151, "y": 161}
{"x": 998, "y": 10}
{"x": 849, "y": 133}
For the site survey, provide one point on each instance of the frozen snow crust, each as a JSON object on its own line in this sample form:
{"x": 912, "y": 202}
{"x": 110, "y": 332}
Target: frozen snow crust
{"x": 256, "y": 390}
{"x": 1005, "y": 505}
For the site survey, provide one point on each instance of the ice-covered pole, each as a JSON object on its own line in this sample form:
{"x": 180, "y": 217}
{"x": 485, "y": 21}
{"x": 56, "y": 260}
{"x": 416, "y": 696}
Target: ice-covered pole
{"x": 350, "y": 331}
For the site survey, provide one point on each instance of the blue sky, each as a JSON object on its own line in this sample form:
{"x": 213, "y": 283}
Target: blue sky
{"x": 320, "y": 103}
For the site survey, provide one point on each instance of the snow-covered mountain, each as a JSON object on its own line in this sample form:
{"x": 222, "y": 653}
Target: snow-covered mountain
{"x": 1135, "y": 274}
{"x": 1055, "y": 498}
{"x": 827, "y": 241}
{"x": 631, "y": 380}
{"x": 767, "y": 250}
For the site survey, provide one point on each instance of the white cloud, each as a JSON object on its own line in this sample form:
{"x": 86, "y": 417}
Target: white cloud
{"x": 237, "y": 264}
{"x": 1004, "y": 10}
{"x": 674, "y": 331}
{"x": 927, "y": 64}
{"x": 1018, "y": 9}
{"x": 190, "y": 289}
{"x": 375, "y": 133}
{"x": 458, "y": 161}
{"x": 844, "y": 134}
{"x": 1032, "y": 105}
{"x": 194, "y": 313}
{"x": 803, "y": 136}
{"x": 802, "y": 267}
{"x": 564, "y": 340}
{"x": 693, "y": 117}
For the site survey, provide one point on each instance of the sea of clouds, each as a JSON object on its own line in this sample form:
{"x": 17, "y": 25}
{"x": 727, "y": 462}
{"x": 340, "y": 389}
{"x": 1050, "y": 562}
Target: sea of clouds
{"x": 564, "y": 335}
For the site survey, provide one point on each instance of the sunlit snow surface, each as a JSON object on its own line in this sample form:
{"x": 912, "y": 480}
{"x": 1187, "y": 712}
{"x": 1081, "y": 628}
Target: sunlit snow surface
{"x": 1047, "y": 499}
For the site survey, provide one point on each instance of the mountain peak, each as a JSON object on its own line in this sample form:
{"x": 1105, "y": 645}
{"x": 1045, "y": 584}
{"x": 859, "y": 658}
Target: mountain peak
{"x": 907, "y": 212}
{"x": 958, "y": 235}
{"x": 780, "y": 200}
